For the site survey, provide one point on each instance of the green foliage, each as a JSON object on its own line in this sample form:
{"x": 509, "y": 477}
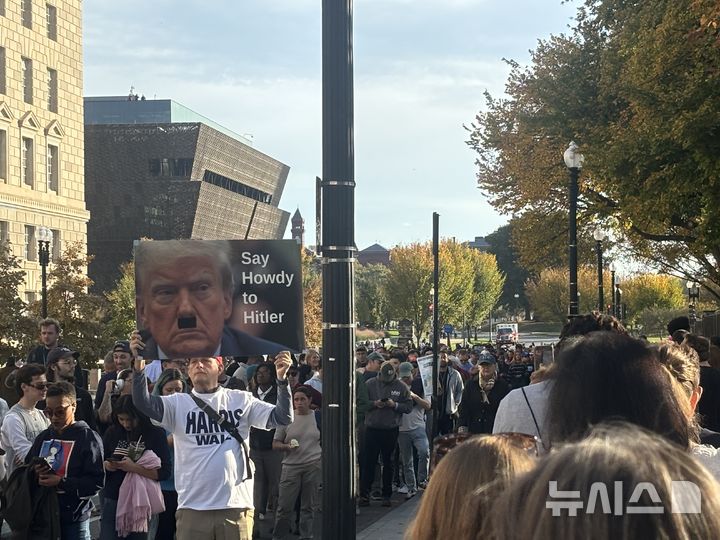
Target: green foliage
{"x": 121, "y": 305}
{"x": 18, "y": 331}
{"x": 80, "y": 313}
{"x": 371, "y": 305}
{"x": 635, "y": 84}
{"x": 312, "y": 299}
{"x": 470, "y": 284}
{"x": 653, "y": 293}
{"x": 549, "y": 292}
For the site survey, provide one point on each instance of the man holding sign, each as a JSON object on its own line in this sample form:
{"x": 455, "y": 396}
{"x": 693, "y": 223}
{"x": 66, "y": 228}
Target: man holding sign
{"x": 184, "y": 293}
{"x": 213, "y": 474}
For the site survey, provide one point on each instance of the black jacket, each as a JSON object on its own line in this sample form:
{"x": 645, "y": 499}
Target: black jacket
{"x": 476, "y": 415}
{"x": 261, "y": 439}
{"x": 78, "y": 456}
{"x": 30, "y": 510}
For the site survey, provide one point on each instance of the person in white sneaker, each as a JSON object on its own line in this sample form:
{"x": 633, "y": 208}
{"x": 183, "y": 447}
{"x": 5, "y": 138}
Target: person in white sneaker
{"x": 413, "y": 434}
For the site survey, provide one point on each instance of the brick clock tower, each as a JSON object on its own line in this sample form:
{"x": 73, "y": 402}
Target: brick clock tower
{"x": 298, "y": 228}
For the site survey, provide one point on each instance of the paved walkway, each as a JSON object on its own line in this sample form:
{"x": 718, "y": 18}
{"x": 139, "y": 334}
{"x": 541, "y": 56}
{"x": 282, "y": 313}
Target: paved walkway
{"x": 392, "y": 525}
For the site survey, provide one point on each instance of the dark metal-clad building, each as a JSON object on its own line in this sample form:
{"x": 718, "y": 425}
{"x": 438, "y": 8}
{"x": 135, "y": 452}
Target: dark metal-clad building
{"x": 155, "y": 169}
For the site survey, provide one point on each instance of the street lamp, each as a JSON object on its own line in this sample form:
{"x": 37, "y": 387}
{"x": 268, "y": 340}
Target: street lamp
{"x": 517, "y": 304}
{"x": 573, "y": 161}
{"x": 599, "y": 236}
{"x": 693, "y": 295}
{"x": 612, "y": 288}
{"x": 45, "y": 237}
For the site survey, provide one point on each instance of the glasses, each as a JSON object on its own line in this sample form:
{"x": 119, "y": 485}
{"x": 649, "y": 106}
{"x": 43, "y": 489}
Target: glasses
{"x": 40, "y": 386}
{"x": 68, "y": 362}
{"x": 59, "y": 412}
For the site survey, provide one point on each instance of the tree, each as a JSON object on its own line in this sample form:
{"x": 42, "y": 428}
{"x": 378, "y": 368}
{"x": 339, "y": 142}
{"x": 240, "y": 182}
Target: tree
{"x": 371, "y": 304}
{"x": 312, "y": 299}
{"x": 121, "y": 304}
{"x": 549, "y": 293}
{"x": 507, "y": 259}
{"x": 79, "y": 312}
{"x": 635, "y": 84}
{"x": 651, "y": 292}
{"x": 408, "y": 285}
{"x": 487, "y": 287}
{"x": 18, "y": 331}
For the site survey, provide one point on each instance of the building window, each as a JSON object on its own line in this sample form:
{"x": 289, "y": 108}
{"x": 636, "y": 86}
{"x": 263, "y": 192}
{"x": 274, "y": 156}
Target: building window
{"x": 4, "y": 231}
{"x": 3, "y": 84}
{"x": 30, "y": 297}
{"x": 30, "y": 243}
{"x": 3, "y": 154}
{"x": 52, "y": 90}
{"x": 2, "y": 8}
{"x": 27, "y": 160}
{"x": 237, "y": 187}
{"x": 170, "y": 166}
{"x": 27, "y": 80}
{"x": 53, "y": 168}
{"x": 51, "y": 16}
{"x": 56, "y": 245}
{"x": 26, "y": 11}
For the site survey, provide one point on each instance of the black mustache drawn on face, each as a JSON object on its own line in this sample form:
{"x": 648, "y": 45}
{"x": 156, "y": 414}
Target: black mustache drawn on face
{"x": 187, "y": 322}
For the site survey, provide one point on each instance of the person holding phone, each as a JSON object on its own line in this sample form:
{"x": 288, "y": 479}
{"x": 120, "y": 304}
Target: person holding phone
{"x": 72, "y": 455}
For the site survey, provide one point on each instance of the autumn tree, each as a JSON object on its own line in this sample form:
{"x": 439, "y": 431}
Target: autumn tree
{"x": 635, "y": 85}
{"x": 371, "y": 305}
{"x": 312, "y": 299}
{"x": 548, "y": 294}
{"x": 80, "y": 313}
{"x": 17, "y": 329}
{"x": 658, "y": 293}
{"x": 121, "y": 317}
{"x": 487, "y": 288}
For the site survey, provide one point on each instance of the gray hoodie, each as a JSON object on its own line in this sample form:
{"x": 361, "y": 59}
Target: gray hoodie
{"x": 386, "y": 417}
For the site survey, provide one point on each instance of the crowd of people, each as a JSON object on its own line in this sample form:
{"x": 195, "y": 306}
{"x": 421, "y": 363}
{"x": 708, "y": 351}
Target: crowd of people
{"x": 230, "y": 447}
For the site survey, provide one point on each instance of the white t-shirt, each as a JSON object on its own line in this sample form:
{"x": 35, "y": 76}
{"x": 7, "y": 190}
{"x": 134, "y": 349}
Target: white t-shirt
{"x": 709, "y": 457}
{"x": 153, "y": 370}
{"x": 209, "y": 463}
{"x": 19, "y": 430}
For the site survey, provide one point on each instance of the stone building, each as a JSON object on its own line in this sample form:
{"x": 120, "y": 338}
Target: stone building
{"x": 156, "y": 169}
{"x": 41, "y": 130}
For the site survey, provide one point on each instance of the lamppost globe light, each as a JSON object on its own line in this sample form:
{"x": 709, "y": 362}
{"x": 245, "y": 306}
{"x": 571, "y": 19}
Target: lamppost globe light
{"x": 45, "y": 234}
{"x": 573, "y": 158}
{"x": 599, "y": 234}
{"x": 516, "y": 295}
{"x": 612, "y": 267}
{"x": 690, "y": 284}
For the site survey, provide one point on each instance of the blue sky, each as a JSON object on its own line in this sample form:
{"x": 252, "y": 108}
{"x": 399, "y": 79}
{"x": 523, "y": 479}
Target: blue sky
{"x": 254, "y": 66}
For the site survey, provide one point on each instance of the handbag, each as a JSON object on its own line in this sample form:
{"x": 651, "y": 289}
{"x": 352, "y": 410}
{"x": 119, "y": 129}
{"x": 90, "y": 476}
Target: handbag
{"x": 229, "y": 428}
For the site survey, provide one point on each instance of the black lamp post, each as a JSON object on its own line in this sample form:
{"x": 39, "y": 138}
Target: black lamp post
{"x": 599, "y": 236}
{"x": 45, "y": 236}
{"x": 573, "y": 161}
{"x": 618, "y": 303}
{"x": 693, "y": 295}
{"x": 612, "y": 289}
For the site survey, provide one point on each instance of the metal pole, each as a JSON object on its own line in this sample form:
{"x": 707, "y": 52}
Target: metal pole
{"x": 338, "y": 255}
{"x": 436, "y": 322}
{"x": 44, "y": 260}
{"x": 601, "y": 295}
{"x": 573, "y": 310}
{"x": 612, "y": 292}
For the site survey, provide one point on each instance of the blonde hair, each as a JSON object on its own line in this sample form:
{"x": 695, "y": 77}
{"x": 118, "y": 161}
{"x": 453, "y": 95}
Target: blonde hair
{"x": 683, "y": 363}
{"x": 612, "y": 452}
{"x": 457, "y": 500}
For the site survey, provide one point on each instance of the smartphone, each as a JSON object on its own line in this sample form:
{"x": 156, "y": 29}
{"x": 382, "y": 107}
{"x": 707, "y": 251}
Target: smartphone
{"x": 384, "y": 399}
{"x": 114, "y": 458}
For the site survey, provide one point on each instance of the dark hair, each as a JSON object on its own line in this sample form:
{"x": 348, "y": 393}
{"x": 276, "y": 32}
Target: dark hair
{"x": 700, "y": 344}
{"x": 124, "y": 405}
{"x": 361, "y": 348}
{"x": 398, "y": 354}
{"x": 609, "y": 376}
{"x": 62, "y": 389}
{"x": 715, "y": 340}
{"x": 590, "y": 322}
{"x": 168, "y": 375}
{"x": 678, "y": 323}
{"x": 25, "y": 374}
{"x": 303, "y": 389}
{"x": 50, "y": 322}
{"x": 270, "y": 367}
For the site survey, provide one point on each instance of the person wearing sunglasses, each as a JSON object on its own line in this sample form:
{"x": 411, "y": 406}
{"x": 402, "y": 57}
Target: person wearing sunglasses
{"x": 24, "y": 422}
{"x": 72, "y": 461}
{"x": 61, "y": 364}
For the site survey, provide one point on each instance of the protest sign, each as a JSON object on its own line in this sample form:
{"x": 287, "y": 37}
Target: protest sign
{"x": 218, "y": 297}
{"x": 425, "y": 368}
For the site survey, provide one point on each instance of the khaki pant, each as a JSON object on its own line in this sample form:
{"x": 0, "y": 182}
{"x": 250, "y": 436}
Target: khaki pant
{"x": 303, "y": 480}
{"x": 229, "y": 524}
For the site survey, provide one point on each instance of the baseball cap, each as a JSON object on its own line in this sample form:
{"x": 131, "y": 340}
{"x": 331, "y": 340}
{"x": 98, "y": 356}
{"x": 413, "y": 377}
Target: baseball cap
{"x": 61, "y": 352}
{"x": 387, "y": 372}
{"x": 375, "y": 356}
{"x": 122, "y": 346}
{"x": 406, "y": 369}
{"x": 487, "y": 359}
